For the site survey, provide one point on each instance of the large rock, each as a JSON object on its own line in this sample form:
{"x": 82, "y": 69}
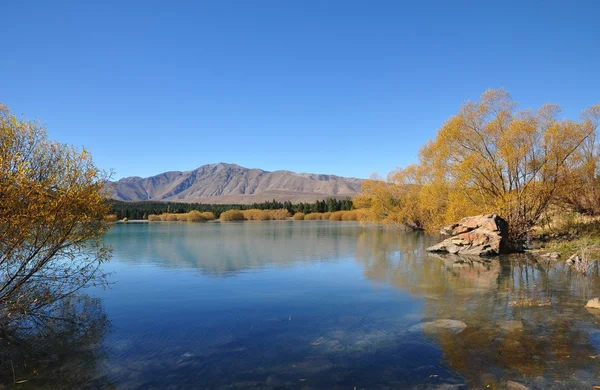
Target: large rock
{"x": 481, "y": 235}
{"x": 593, "y": 303}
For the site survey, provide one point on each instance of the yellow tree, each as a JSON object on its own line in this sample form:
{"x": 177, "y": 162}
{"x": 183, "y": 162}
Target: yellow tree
{"x": 380, "y": 202}
{"x": 490, "y": 158}
{"x": 52, "y": 216}
{"x": 496, "y": 159}
{"x": 583, "y": 195}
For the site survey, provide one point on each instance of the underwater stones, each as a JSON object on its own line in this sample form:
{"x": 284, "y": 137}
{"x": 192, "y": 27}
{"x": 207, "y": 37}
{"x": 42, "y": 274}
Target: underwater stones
{"x": 593, "y": 303}
{"x": 512, "y": 385}
{"x": 440, "y": 326}
{"x": 481, "y": 235}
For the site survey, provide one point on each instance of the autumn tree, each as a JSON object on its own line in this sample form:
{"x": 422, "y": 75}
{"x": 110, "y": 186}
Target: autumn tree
{"x": 488, "y": 158}
{"x": 583, "y": 195}
{"x": 52, "y": 217}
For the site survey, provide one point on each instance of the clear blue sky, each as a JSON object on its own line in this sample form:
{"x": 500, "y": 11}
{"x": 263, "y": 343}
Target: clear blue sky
{"x": 343, "y": 87}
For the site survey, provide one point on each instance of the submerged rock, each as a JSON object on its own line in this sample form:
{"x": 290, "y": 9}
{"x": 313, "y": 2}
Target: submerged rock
{"x": 593, "y": 303}
{"x": 481, "y": 235}
{"x": 511, "y": 325}
{"x": 512, "y": 385}
{"x": 440, "y": 326}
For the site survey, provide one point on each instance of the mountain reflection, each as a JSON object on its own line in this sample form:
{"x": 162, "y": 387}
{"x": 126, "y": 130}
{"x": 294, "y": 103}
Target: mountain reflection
{"x": 525, "y": 320}
{"x": 221, "y": 249}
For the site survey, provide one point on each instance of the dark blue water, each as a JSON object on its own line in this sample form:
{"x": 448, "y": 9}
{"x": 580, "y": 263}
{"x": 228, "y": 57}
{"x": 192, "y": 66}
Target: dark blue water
{"x": 319, "y": 305}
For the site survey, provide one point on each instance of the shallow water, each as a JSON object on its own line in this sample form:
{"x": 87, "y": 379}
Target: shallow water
{"x": 321, "y": 305}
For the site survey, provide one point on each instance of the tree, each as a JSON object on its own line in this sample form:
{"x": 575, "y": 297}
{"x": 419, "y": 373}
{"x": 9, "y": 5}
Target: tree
{"x": 52, "y": 217}
{"x": 488, "y": 158}
{"x": 584, "y": 193}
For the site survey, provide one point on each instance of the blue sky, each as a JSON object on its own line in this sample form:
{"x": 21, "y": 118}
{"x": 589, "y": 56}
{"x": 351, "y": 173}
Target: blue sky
{"x": 342, "y": 87}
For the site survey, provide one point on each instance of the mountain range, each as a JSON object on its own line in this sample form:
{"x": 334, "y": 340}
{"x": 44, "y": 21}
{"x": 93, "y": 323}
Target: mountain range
{"x": 232, "y": 184}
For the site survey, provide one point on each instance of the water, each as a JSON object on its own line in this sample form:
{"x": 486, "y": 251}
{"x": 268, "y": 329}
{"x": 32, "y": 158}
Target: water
{"x": 319, "y": 305}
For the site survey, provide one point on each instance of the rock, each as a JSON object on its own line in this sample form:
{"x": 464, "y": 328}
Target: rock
{"x": 573, "y": 260}
{"x": 512, "y": 385}
{"x": 481, "y": 235}
{"x": 593, "y": 304}
{"x": 551, "y": 255}
{"x": 440, "y": 326}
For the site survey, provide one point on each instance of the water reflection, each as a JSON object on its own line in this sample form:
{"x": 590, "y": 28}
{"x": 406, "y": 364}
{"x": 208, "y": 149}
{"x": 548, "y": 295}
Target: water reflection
{"x": 61, "y": 352}
{"x": 222, "y": 249}
{"x": 337, "y": 305}
{"x": 525, "y": 319}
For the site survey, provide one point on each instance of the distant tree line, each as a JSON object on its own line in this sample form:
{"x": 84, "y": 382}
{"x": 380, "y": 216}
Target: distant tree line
{"x": 141, "y": 210}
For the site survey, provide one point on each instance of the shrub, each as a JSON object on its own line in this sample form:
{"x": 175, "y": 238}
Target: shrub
{"x": 170, "y": 217}
{"x": 313, "y": 216}
{"x": 336, "y": 216}
{"x": 280, "y": 214}
{"x": 232, "y": 215}
{"x": 153, "y": 218}
{"x": 265, "y": 215}
{"x": 209, "y": 215}
{"x": 195, "y": 216}
{"x": 350, "y": 215}
{"x": 299, "y": 216}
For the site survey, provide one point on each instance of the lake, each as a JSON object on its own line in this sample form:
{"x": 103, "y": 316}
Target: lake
{"x": 327, "y": 305}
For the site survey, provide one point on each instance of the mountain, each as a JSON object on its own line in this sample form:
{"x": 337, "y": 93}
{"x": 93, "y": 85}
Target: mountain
{"x": 229, "y": 183}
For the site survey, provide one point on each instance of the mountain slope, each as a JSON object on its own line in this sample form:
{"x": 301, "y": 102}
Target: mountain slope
{"x": 230, "y": 183}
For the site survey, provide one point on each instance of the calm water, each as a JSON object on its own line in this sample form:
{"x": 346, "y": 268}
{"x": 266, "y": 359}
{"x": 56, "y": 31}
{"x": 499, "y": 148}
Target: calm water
{"x": 325, "y": 305}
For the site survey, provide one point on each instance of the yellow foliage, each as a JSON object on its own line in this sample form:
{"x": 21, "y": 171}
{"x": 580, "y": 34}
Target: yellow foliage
{"x": 336, "y": 216}
{"x": 265, "y": 215}
{"x": 52, "y": 209}
{"x": 110, "y": 218}
{"x": 488, "y": 158}
{"x": 313, "y": 216}
{"x": 232, "y": 215}
{"x": 192, "y": 216}
{"x": 298, "y": 217}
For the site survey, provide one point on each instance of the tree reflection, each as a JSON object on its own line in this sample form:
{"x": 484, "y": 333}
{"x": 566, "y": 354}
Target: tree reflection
{"x": 62, "y": 350}
{"x": 505, "y": 338}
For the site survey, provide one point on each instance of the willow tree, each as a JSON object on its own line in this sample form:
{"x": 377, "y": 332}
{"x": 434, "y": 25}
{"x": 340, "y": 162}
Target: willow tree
{"x": 584, "y": 186}
{"x": 490, "y": 158}
{"x": 52, "y": 214}
{"x": 513, "y": 163}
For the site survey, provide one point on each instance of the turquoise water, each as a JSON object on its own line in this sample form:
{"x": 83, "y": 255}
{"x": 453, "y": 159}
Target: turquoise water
{"x": 319, "y": 305}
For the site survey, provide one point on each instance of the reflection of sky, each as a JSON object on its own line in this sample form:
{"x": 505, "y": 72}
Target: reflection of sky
{"x": 329, "y": 303}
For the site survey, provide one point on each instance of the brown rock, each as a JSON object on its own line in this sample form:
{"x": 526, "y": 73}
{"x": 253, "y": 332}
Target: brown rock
{"x": 593, "y": 303}
{"x": 512, "y": 385}
{"x": 481, "y": 235}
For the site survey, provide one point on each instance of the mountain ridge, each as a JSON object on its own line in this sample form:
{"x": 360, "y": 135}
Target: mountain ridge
{"x": 232, "y": 183}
